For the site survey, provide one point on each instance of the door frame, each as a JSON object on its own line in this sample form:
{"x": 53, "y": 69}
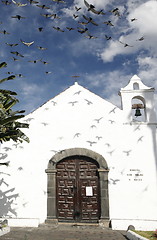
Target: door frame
{"x": 51, "y": 182}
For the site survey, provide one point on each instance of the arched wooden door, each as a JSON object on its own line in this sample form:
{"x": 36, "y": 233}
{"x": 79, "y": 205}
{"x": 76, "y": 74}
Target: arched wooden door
{"x": 78, "y": 192}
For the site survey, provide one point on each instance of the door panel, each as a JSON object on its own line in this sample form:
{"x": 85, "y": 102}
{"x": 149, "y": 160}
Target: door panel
{"x": 74, "y": 176}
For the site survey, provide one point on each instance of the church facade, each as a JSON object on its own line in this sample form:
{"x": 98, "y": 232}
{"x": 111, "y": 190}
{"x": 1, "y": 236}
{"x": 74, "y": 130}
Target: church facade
{"x": 88, "y": 161}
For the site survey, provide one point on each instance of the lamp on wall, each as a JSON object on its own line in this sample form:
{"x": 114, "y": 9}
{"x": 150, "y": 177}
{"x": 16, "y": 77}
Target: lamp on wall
{"x": 137, "y": 107}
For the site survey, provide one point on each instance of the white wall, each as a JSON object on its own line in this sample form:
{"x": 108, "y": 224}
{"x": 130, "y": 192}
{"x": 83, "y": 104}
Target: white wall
{"x": 129, "y": 149}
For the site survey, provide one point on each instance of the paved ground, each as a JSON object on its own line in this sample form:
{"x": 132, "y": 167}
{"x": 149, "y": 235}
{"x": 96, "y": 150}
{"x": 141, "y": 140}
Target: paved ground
{"x": 64, "y": 233}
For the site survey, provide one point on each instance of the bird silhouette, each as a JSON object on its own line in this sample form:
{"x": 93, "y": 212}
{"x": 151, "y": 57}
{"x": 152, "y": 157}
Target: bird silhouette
{"x": 140, "y": 39}
{"x": 43, "y": 6}
{"x": 115, "y": 11}
{"x": 19, "y": 4}
{"x": 40, "y": 29}
{"x": 73, "y": 103}
{"x": 75, "y": 16}
{"x": 92, "y": 126}
{"x": 4, "y": 32}
{"x": 7, "y": 149}
{"x": 78, "y": 8}
{"x": 78, "y": 92}
{"x": 133, "y": 19}
{"x": 89, "y": 36}
{"x": 6, "y": 2}
{"x": 113, "y": 110}
{"x": 98, "y": 119}
{"x": 12, "y": 44}
{"x": 70, "y": 28}
{"x": 98, "y": 137}
{"x": 41, "y": 48}
{"x": 19, "y": 17}
{"x": 58, "y": 29}
{"x": 140, "y": 139}
{"x": 28, "y": 44}
{"x": 58, "y": 1}
{"x": 108, "y": 37}
{"x": 90, "y": 20}
{"x": 17, "y": 54}
{"x": 54, "y": 103}
{"x": 109, "y": 23}
{"x": 77, "y": 135}
{"x": 91, "y": 143}
{"x": 125, "y": 44}
{"x": 82, "y": 30}
{"x": 127, "y": 152}
{"x": 46, "y": 15}
{"x": 111, "y": 121}
{"x": 114, "y": 181}
{"x": 32, "y": 1}
{"x": 92, "y": 8}
{"x": 88, "y": 102}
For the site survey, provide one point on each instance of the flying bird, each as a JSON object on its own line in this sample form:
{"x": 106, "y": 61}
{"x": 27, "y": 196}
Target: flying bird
{"x": 140, "y": 39}
{"x": 89, "y": 36}
{"x": 6, "y": 2}
{"x": 58, "y": 29}
{"x": 40, "y": 29}
{"x": 109, "y": 23}
{"x": 17, "y": 54}
{"x": 108, "y": 37}
{"x": 19, "y": 4}
{"x": 125, "y": 44}
{"x": 58, "y": 1}
{"x": 12, "y": 44}
{"x": 90, "y": 20}
{"x": 82, "y": 30}
{"x": 4, "y": 32}
{"x": 92, "y": 8}
{"x": 115, "y": 11}
{"x": 18, "y": 17}
{"x": 75, "y": 16}
{"x": 43, "y": 6}
{"x": 78, "y": 8}
{"x": 34, "y": 61}
{"x": 41, "y": 48}
{"x": 32, "y": 1}
{"x": 28, "y": 44}
{"x": 47, "y": 15}
{"x": 133, "y": 19}
{"x": 70, "y": 28}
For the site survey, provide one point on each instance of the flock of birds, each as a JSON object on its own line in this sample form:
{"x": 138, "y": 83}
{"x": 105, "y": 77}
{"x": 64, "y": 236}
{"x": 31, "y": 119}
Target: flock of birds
{"x": 81, "y": 23}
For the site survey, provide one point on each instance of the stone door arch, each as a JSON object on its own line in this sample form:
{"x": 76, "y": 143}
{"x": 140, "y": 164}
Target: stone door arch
{"x": 103, "y": 181}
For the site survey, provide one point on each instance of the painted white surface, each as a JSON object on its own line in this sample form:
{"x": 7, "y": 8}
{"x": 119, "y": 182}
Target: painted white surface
{"x": 134, "y": 236}
{"x": 78, "y": 118}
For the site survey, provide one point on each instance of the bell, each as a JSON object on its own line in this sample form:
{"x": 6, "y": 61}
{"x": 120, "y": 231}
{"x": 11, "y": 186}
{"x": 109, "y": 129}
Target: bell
{"x": 138, "y": 113}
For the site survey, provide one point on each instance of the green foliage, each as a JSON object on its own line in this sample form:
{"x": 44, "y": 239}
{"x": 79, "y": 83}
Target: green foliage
{"x": 9, "y": 126}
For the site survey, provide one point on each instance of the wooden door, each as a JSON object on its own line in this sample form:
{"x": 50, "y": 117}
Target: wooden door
{"x": 78, "y": 196}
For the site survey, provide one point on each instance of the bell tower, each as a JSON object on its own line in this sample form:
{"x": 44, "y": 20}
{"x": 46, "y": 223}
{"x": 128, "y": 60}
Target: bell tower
{"x": 137, "y": 101}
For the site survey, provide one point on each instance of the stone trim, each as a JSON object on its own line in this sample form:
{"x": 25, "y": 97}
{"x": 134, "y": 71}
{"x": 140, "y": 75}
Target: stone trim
{"x": 51, "y": 180}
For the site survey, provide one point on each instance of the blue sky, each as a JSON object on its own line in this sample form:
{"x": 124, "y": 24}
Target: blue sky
{"x": 103, "y": 66}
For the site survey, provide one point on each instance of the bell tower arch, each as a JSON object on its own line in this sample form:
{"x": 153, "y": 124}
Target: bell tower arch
{"x": 137, "y": 101}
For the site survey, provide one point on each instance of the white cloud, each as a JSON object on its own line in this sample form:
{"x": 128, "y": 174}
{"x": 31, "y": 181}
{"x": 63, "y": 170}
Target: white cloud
{"x": 145, "y": 25}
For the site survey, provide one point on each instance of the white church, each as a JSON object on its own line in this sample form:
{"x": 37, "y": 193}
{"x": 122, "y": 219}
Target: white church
{"x": 88, "y": 161}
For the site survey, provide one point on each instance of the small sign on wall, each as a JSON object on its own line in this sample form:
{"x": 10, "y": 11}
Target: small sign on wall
{"x": 89, "y": 191}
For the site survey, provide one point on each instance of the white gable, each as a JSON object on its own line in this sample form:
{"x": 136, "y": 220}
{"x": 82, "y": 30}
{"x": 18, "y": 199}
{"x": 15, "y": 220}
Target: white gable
{"x": 79, "y": 119}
